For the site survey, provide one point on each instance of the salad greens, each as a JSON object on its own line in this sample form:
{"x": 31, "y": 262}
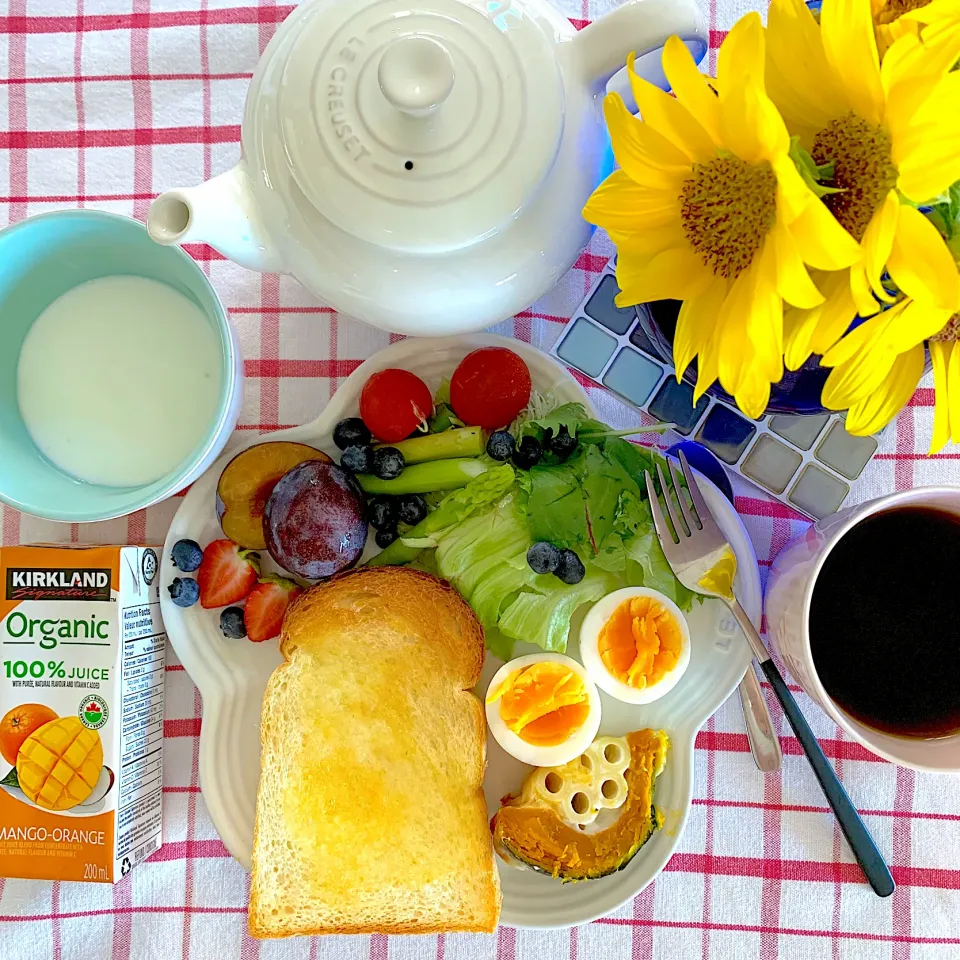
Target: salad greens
{"x": 592, "y": 503}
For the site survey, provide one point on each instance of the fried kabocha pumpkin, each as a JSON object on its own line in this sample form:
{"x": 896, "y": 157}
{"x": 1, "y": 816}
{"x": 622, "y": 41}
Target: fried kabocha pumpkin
{"x": 589, "y": 817}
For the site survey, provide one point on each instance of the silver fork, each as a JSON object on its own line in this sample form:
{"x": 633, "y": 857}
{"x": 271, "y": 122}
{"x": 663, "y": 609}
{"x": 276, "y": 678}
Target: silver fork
{"x": 703, "y": 561}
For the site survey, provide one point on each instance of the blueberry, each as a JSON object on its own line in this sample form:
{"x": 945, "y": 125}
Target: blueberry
{"x": 562, "y": 445}
{"x": 351, "y": 432}
{"x": 501, "y": 445}
{"x": 527, "y": 455}
{"x": 570, "y": 568}
{"x": 412, "y": 508}
{"x": 184, "y": 591}
{"x": 382, "y": 513}
{"x": 357, "y": 458}
{"x": 385, "y": 537}
{"x": 186, "y": 555}
{"x": 231, "y": 623}
{"x": 388, "y": 463}
{"x": 543, "y": 557}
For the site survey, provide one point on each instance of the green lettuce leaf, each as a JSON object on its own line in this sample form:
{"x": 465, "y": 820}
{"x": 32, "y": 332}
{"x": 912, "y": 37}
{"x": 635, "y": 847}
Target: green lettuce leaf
{"x": 544, "y": 618}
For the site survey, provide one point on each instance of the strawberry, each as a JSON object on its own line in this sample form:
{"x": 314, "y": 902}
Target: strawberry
{"x": 227, "y": 573}
{"x": 267, "y": 605}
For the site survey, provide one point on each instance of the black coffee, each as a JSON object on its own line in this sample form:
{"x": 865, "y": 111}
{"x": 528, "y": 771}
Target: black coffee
{"x": 885, "y": 622}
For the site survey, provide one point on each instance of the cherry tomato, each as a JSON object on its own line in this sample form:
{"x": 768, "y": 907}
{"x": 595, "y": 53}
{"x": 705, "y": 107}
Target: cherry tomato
{"x": 394, "y": 403}
{"x": 490, "y": 387}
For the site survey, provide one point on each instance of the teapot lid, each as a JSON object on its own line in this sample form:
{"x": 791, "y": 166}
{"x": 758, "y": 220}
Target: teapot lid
{"x": 423, "y": 127}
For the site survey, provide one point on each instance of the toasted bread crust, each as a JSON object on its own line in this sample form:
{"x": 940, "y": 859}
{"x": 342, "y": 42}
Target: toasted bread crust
{"x": 418, "y": 650}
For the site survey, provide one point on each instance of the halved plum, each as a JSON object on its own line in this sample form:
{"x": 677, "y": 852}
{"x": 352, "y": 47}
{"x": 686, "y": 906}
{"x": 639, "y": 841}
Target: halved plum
{"x": 247, "y": 482}
{"x": 315, "y": 520}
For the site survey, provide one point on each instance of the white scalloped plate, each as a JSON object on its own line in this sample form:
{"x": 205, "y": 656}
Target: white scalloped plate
{"x": 232, "y": 674}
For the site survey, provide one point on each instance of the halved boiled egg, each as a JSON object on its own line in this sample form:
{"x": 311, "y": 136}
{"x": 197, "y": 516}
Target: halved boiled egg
{"x": 635, "y": 644}
{"x": 543, "y": 709}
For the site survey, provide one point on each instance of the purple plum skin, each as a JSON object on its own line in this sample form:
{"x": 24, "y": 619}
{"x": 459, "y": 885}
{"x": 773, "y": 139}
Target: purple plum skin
{"x": 315, "y": 520}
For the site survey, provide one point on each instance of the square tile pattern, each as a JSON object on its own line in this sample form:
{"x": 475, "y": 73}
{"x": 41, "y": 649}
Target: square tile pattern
{"x": 809, "y": 463}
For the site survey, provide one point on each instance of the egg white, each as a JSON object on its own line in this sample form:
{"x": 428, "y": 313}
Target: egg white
{"x": 594, "y": 622}
{"x": 542, "y": 756}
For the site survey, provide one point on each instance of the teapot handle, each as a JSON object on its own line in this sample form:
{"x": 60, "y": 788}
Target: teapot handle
{"x": 640, "y": 26}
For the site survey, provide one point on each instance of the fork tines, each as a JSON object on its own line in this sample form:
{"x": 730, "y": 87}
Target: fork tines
{"x": 685, "y": 519}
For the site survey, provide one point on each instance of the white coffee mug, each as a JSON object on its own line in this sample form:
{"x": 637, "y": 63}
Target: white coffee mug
{"x": 793, "y": 577}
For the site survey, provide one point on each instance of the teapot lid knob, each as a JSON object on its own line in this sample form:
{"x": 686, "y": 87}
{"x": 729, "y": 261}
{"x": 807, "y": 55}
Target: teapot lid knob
{"x": 416, "y": 74}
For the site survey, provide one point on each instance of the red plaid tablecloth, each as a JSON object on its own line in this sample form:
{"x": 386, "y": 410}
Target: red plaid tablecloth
{"x": 104, "y": 103}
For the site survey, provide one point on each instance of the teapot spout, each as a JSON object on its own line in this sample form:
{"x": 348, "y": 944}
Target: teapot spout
{"x": 221, "y": 212}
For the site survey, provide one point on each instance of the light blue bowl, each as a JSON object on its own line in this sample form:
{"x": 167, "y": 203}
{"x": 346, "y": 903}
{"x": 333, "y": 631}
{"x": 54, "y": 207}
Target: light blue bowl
{"x": 42, "y": 258}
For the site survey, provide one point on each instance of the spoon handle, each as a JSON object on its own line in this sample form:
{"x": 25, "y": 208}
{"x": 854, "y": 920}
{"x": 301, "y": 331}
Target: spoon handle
{"x": 761, "y": 736}
{"x": 861, "y": 843}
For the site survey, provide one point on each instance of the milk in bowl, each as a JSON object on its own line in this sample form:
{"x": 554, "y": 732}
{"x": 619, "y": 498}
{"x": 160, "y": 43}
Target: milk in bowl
{"x": 120, "y": 376}
{"x": 143, "y": 368}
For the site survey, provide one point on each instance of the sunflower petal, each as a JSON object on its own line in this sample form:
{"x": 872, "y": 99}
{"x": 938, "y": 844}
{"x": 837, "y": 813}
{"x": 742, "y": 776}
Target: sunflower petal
{"x": 621, "y": 205}
{"x": 750, "y": 337}
{"x": 670, "y": 118}
{"x": 673, "y": 274}
{"x": 690, "y": 87}
{"x": 864, "y": 299}
{"x": 910, "y": 71}
{"x": 853, "y": 381}
{"x": 733, "y": 349}
{"x": 822, "y": 242}
{"x": 645, "y": 244}
{"x": 878, "y": 241}
{"x": 926, "y": 152}
{"x": 836, "y": 315}
{"x": 798, "y": 78}
{"x": 880, "y": 407}
{"x": 912, "y": 325}
{"x": 646, "y": 156}
{"x": 696, "y": 323}
{"x": 740, "y": 59}
{"x": 940, "y": 356}
{"x": 753, "y": 394}
{"x": 707, "y": 370}
{"x": 750, "y": 125}
{"x": 867, "y": 335}
{"x": 921, "y": 263}
{"x": 953, "y": 392}
{"x": 793, "y": 281}
{"x": 798, "y": 328}
{"x": 851, "y": 50}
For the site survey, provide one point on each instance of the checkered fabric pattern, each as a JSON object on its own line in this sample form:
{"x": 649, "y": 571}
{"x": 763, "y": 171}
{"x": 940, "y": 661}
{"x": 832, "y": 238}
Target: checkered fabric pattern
{"x": 104, "y": 103}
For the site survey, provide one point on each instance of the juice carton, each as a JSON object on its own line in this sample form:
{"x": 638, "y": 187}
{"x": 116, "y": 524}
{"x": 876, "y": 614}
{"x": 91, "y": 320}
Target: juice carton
{"x": 81, "y": 700}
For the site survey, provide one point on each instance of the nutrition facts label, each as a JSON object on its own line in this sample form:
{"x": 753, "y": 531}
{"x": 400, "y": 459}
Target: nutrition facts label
{"x": 141, "y": 733}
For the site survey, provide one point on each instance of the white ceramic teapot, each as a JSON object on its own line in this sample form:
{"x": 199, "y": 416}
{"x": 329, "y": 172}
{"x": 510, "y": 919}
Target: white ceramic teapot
{"x": 422, "y": 165}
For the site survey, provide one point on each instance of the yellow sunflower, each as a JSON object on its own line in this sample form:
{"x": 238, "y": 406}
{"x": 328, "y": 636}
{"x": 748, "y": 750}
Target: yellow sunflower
{"x": 945, "y": 354}
{"x": 709, "y": 208}
{"x": 877, "y": 366}
{"x": 893, "y": 19}
{"x": 889, "y": 136}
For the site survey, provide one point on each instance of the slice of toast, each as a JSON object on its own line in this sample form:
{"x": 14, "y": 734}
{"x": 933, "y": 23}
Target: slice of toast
{"x": 370, "y": 810}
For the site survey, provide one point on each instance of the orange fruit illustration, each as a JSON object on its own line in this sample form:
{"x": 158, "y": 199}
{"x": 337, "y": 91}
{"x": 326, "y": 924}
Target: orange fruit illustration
{"x": 17, "y": 724}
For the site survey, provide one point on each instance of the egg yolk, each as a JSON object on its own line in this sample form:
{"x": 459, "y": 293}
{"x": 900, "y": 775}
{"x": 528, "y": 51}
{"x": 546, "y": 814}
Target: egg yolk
{"x": 719, "y": 578}
{"x": 543, "y": 704}
{"x": 640, "y": 643}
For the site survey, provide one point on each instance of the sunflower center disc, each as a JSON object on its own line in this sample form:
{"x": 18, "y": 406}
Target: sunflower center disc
{"x": 727, "y": 209}
{"x": 893, "y": 9}
{"x": 862, "y": 168}
{"x": 951, "y": 330}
